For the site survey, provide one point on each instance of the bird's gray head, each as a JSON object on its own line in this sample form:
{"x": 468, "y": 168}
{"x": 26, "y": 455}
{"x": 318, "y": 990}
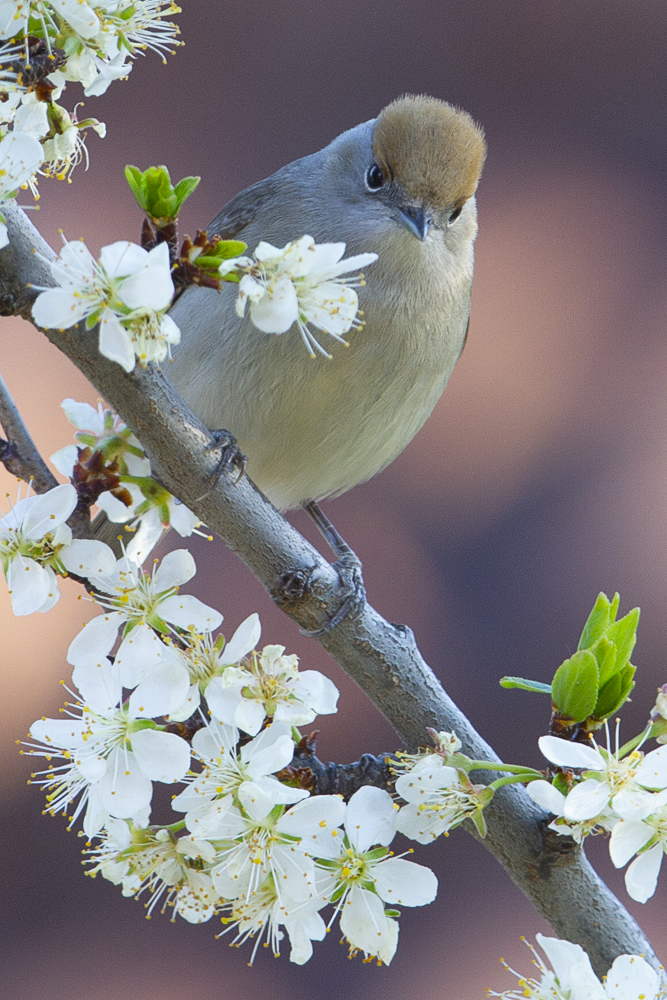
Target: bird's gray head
{"x": 425, "y": 163}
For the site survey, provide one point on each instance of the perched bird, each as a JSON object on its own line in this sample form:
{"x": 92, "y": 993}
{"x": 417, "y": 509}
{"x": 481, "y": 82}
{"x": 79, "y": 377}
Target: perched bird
{"x": 402, "y": 186}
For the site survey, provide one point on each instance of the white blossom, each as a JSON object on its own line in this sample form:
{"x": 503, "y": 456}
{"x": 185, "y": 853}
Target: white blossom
{"x": 609, "y": 780}
{"x": 362, "y": 877}
{"x": 545, "y": 795}
{"x": 135, "y": 597}
{"x": 167, "y": 867}
{"x": 438, "y": 798}
{"x": 233, "y": 777}
{"x": 647, "y": 839}
{"x": 300, "y": 283}
{"x": 266, "y": 911}
{"x": 198, "y": 654}
{"x": 279, "y": 846}
{"x": 111, "y": 749}
{"x": 270, "y": 683}
{"x": 571, "y": 976}
{"x": 141, "y": 25}
{"x": 148, "y": 516}
{"x": 20, "y": 156}
{"x": 100, "y": 429}
{"x": 36, "y": 543}
{"x": 125, "y": 292}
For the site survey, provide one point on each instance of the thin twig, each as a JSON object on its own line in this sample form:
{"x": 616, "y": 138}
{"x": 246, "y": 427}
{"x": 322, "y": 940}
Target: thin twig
{"x": 18, "y": 453}
{"x": 382, "y": 658}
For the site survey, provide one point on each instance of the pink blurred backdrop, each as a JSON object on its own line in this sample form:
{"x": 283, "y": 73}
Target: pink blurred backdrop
{"x": 540, "y": 479}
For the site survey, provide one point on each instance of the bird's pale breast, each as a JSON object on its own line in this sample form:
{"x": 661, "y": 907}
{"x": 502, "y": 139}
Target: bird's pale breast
{"x": 313, "y": 428}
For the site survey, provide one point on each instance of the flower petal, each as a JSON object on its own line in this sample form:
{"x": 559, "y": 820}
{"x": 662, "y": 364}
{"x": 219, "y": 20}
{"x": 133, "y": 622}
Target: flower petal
{"x": 49, "y": 511}
{"x": 563, "y": 957}
{"x": 124, "y": 789}
{"x": 627, "y": 838}
{"x": 370, "y": 818}
{"x": 641, "y": 878}
{"x": 185, "y": 611}
{"x": 631, "y": 977}
{"x": 364, "y": 924}
{"x": 317, "y": 691}
{"x": 653, "y": 770}
{"x": 404, "y": 883}
{"x": 177, "y": 568}
{"x": 161, "y": 756}
{"x": 87, "y": 558}
{"x": 586, "y": 800}
{"x": 99, "y": 683}
{"x": 29, "y": 585}
{"x": 160, "y": 691}
{"x": 545, "y": 795}
{"x": 122, "y": 258}
{"x": 96, "y": 638}
{"x": 115, "y": 342}
{"x": 244, "y": 640}
{"x": 139, "y": 652}
{"x": 278, "y": 308}
{"x": 66, "y": 734}
{"x": 566, "y": 754}
{"x": 60, "y": 309}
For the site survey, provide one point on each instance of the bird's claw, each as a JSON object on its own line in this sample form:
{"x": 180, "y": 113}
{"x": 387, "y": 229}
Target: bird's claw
{"x": 231, "y": 456}
{"x": 353, "y": 595}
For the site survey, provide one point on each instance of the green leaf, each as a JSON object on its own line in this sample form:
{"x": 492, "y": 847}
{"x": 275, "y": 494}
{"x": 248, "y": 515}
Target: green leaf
{"x": 624, "y": 634}
{"x": 134, "y": 178}
{"x": 598, "y": 621}
{"x": 155, "y": 193}
{"x": 226, "y": 249}
{"x": 184, "y": 189}
{"x": 604, "y": 652}
{"x": 574, "y": 689}
{"x": 524, "y": 685}
{"x": 615, "y": 693}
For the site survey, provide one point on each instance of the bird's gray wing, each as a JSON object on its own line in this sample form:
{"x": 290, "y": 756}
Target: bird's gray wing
{"x": 242, "y": 209}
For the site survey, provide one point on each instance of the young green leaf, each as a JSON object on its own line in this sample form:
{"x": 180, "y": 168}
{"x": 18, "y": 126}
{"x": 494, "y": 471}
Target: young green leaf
{"x": 525, "y": 685}
{"x": 574, "y": 689}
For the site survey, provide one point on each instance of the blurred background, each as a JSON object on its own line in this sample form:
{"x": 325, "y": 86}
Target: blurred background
{"x": 540, "y": 479}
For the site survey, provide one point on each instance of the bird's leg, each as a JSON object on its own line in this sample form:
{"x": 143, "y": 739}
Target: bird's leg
{"x": 348, "y": 566}
{"x": 231, "y": 457}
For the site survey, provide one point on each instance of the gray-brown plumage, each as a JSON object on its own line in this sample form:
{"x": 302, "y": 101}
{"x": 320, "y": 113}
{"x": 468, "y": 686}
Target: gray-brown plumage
{"x": 401, "y": 186}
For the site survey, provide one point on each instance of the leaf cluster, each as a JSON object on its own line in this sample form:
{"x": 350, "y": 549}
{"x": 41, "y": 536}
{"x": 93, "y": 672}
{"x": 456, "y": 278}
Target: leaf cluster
{"x": 597, "y": 680}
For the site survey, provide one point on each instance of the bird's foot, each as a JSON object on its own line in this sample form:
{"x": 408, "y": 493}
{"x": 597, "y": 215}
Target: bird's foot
{"x": 231, "y": 457}
{"x": 348, "y": 567}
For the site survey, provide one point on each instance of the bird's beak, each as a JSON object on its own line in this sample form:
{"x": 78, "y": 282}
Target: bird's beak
{"x": 416, "y": 219}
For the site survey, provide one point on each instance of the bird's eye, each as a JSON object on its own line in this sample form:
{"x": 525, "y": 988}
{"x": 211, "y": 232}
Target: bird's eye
{"x": 374, "y": 178}
{"x": 454, "y": 216}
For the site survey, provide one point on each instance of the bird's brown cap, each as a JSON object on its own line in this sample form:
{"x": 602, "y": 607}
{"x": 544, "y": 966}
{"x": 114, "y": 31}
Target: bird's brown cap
{"x": 435, "y": 151}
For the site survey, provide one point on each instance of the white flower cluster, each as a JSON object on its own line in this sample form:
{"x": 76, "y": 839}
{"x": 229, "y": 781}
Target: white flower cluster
{"x": 571, "y": 977}
{"x": 36, "y": 545}
{"x": 300, "y": 283}
{"x": 151, "y": 509}
{"x": 438, "y": 795}
{"x": 50, "y": 43}
{"x": 254, "y": 845}
{"x": 626, "y": 794}
{"x": 127, "y": 292}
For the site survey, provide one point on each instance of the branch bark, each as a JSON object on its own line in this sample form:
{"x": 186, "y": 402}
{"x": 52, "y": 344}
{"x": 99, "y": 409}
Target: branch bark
{"x": 18, "y": 453}
{"x": 382, "y": 658}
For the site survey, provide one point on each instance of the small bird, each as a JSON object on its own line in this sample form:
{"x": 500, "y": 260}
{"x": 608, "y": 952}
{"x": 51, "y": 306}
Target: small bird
{"x": 403, "y": 186}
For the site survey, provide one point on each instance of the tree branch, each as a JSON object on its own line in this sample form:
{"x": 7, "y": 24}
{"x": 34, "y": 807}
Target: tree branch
{"x": 382, "y": 658}
{"x": 18, "y": 453}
